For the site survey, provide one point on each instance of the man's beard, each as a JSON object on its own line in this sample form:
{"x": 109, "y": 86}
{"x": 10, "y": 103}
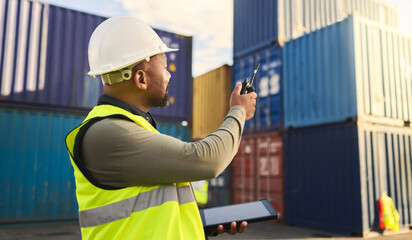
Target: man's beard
{"x": 160, "y": 102}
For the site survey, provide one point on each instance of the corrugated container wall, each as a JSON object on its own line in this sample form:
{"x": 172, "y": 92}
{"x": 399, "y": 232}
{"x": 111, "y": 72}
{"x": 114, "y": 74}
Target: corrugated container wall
{"x": 335, "y": 174}
{"x": 257, "y": 170}
{"x": 211, "y": 94}
{"x": 35, "y": 172}
{"x": 260, "y": 23}
{"x": 43, "y": 59}
{"x": 268, "y": 114}
{"x": 43, "y": 54}
{"x": 331, "y": 75}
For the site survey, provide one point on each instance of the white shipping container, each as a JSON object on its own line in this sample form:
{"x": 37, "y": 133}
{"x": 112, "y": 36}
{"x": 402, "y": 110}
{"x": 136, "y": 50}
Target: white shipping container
{"x": 297, "y": 17}
{"x": 261, "y": 23}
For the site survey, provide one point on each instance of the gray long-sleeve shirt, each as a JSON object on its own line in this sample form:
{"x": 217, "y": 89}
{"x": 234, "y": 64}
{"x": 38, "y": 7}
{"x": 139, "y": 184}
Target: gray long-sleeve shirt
{"x": 121, "y": 153}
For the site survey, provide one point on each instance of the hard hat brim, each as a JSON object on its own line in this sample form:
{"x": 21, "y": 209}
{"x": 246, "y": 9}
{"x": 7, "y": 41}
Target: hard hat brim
{"x": 165, "y": 49}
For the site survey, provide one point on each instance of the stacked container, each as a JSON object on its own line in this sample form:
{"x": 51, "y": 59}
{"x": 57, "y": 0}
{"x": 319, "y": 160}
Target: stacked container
{"x": 36, "y": 174}
{"x": 347, "y": 107}
{"x": 258, "y": 24}
{"x": 43, "y": 59}
{"x": 45, "y": 92}
{"x": 321, "y": 67}
{"x": 335, "y": 174}
{"x": 257, "y": 170}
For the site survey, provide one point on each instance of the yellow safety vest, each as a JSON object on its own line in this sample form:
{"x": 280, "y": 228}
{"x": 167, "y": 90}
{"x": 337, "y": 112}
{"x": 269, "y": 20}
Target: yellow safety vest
{"x": 200, "y": 188}
{"x": 138, "y": 212}
{"x": 389, "y": 213}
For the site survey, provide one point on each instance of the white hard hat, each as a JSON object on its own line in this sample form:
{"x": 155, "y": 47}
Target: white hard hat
{"x": 120, "y": 42}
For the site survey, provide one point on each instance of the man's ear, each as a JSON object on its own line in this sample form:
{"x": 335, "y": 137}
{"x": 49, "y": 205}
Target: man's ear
{"x": 140, "y": 79}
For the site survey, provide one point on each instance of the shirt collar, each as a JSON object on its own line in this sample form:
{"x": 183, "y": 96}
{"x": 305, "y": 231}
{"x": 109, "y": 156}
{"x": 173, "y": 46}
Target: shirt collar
{"x": 104, "y": 99}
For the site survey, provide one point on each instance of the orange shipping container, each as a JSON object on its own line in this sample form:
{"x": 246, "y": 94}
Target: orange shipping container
{"x": 211, "y": 94}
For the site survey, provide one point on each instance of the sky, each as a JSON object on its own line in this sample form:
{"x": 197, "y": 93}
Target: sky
{"x": 210, "y": 22}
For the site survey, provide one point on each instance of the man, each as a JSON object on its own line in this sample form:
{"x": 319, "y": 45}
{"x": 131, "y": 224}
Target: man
{"x": 131, "y": 181}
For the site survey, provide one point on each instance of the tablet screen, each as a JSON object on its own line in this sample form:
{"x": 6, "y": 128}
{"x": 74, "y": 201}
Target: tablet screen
{"x": 236, "y": 212}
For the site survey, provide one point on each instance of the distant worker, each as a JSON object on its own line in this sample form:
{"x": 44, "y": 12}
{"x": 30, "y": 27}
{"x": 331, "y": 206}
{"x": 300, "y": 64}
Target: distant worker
{"x": 388, "y": 215}
{"x": 131, "y": 181}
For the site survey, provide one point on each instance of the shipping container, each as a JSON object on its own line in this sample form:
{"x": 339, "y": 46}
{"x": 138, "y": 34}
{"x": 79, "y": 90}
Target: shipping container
{"x": 353, "y": 69}
{"x": 268, "y": 114}
{"x": 243, "y": 171}
{"x": 335, "y": 174}
{"x": 260, "y": 23}
{"x": 181, "y": 83}
{"x": 219, "y": 193}
{"x": 176, "y": 130}
{"x": 211, "y": 95}
{"x": 43, "y": 59}
{"x": 43, "y": 54}
{"x": 35, "y": 172}
{"x": 257, "y": 170}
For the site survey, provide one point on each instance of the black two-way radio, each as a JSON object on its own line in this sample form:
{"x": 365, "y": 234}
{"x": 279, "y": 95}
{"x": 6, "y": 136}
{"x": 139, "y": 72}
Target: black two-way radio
{"x": 247, "y": 85}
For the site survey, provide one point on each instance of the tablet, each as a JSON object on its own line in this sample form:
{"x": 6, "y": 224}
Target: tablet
{"x": 250, "y": 212}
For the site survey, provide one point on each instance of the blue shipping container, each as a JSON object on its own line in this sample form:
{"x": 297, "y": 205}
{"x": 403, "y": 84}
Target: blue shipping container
{"x": 35, "y": 171}
{"x": 335, "y": 174}
{"x": 219, "y": 193}
{"x": 43, "y": 54}
{"x": 43, "y": 59}
{"x": 255, "y": 25}
{"x": 268, "y": 87}
{"x": 354, "y": 69}
{"x": 260, "y": 23}
{"x": 181, "y": 82}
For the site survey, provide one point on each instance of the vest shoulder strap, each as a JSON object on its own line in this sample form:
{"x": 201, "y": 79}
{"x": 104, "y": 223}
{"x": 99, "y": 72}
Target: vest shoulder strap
{"x": 77, "y": 150}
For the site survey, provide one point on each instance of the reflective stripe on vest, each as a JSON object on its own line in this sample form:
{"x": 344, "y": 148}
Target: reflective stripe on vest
{"x": 137, "y": 212}
{"x": 123, "y": 209}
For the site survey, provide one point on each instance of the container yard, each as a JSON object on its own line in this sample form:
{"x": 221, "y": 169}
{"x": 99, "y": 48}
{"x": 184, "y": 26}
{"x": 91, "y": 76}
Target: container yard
{"x": 330, "y": 136}
{"x": 334, "y": 90}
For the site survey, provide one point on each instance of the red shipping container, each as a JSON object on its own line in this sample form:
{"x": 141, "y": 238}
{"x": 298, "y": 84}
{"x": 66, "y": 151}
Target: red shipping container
{"x": 257, "y": 170}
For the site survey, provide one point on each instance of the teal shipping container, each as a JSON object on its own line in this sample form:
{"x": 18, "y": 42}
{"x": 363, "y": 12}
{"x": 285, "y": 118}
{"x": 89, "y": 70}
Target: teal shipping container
{"x": 176, "y": 130}
{"x": 336, "y": 173}
{"x": 35, "y": 171}
{"x": 353, "y": 69}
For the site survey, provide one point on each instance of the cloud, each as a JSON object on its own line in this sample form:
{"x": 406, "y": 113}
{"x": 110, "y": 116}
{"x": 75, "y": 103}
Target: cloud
{"x": 209, "y": 22}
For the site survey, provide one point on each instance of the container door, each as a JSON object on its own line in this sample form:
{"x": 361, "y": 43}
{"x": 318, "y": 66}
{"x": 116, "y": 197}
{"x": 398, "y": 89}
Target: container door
{"x": 270, "y": 170}
{"x": 243, "y": 172}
